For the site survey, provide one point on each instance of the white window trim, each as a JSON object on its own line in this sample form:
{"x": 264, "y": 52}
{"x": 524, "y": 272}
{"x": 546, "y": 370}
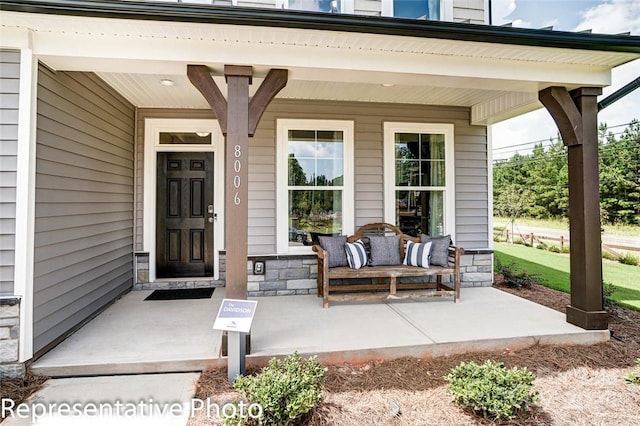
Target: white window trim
{"x": 152, "y": 129}
{"x": 390, "y": 129}
{"x": 282, "y": 208}
{"x": 446, "y": 9}
{"x": 348, "y": 6}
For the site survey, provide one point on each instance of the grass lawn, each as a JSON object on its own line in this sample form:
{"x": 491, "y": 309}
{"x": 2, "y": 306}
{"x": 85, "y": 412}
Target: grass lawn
{"x": 554, "y": 269}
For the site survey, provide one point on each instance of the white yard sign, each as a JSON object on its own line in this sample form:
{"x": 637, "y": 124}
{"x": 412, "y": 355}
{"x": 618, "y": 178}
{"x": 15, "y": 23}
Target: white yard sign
{"x": 235, "y": 315}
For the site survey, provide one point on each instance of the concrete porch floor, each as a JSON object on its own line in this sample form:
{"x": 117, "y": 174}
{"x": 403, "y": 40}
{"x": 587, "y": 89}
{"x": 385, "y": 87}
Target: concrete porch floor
{"x": 137, "y": 336}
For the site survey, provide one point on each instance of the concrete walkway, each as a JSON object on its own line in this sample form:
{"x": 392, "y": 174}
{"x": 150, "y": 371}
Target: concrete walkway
{"x": 143, "y": 400}
{"x": 137, "y": 336}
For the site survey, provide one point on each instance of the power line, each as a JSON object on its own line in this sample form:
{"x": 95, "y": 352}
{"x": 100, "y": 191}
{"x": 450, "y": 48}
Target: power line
{"x": 513, "y": 151}
{"x": 529, "y": 160}
{"x": 551, "y": 139}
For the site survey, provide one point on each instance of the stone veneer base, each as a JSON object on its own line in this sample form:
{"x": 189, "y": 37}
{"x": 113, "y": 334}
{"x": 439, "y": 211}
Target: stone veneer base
{"x": 10, "y": 367}
{"x": 286, "y": 275}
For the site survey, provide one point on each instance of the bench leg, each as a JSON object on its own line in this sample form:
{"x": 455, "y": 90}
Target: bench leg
{"x": 392, "y": 285}
{"x": 438, "y": 282}
{"x": 456, "y": 288}
{"x": 325, "y": 292}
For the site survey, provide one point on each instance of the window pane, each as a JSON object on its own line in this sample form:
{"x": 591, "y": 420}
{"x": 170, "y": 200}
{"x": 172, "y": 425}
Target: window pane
{"x": 313, "y": 213}
{"x": 420, "y": 212}
{"x": 184, "y": 138}
{"x": 300, "y": 171}
{"x": 417, "y": 9}
{"x": 316, "y": 158}
{"x": 333, "y": 6}
{"x": 432, "y": 173}
{"x": 329, "y": 136}
{"x": 407, "y": 172}
{"x": 329, "y": 173}
{"x": 302, "y": 135}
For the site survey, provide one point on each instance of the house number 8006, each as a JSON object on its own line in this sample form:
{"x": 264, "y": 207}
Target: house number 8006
{"x": 237, "y": 152}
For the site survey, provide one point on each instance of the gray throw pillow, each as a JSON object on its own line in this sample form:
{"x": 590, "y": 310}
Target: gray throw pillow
{"x": 385, "y": 250}
{"x": 335, "y": 248}
{"x": 439, "y": 249}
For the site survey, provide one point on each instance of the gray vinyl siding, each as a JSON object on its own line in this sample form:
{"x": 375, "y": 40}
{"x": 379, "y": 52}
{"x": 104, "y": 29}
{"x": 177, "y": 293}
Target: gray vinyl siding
{"x": 470, "y": 164}
{"x": 367, "y": 7}
{"x": 471, "y": 10}
{"x": 84, "y": 200}
{"x": 257, "y": 3}
{"x": 9, "y": 95}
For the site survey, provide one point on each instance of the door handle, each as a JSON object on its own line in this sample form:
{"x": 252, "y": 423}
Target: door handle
{"x": 210, "y": 208}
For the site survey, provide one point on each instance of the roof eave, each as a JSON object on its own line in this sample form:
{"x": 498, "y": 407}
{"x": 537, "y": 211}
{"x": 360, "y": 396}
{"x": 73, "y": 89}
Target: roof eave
{"x": 180, "y": 12}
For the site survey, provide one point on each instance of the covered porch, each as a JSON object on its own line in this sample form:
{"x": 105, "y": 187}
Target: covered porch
{"x": 138, "y": 336}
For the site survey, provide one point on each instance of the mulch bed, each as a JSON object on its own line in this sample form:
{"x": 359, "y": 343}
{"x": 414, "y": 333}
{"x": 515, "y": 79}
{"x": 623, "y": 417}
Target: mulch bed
{"x": 20, "y": 389}
{"x": 403, "y": 379}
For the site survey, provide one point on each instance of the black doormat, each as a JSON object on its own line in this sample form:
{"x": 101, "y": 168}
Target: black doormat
{"x": 181, "y": 293}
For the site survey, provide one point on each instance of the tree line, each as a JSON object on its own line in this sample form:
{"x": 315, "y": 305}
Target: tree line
{"x": 536, "y": 185}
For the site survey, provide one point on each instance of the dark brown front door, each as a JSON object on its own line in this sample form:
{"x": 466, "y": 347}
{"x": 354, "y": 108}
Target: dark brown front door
{"x": 184, "y": 215}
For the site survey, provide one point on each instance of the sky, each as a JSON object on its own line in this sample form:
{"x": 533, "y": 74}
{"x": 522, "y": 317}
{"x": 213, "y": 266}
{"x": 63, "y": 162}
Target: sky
{"x": 601, "y": 16}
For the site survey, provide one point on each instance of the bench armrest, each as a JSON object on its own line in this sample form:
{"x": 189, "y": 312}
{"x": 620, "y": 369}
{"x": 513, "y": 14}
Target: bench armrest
{"x": 322, "y": 253}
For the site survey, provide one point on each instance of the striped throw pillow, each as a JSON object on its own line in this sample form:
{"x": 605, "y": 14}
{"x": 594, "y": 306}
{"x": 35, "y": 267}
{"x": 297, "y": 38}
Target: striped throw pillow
{"x": 417, "y": 254}
{"x": 356, "y": 254}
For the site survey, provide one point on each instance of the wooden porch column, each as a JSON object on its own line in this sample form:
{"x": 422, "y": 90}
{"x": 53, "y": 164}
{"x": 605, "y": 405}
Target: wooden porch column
{"x": 576, "y": 114}
{"x": 238, "y": 118}
{"x": 236, "y": 176}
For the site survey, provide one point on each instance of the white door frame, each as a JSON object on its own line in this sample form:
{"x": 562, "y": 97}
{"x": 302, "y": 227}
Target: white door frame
{"x": 152, "y": 129}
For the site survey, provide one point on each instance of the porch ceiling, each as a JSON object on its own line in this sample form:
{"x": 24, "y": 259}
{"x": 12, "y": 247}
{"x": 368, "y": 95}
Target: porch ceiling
{"x": 496, "y": 80}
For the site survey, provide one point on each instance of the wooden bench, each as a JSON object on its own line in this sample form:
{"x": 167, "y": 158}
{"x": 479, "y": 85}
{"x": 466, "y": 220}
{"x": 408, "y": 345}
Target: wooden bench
{"x": 380, "y": 273}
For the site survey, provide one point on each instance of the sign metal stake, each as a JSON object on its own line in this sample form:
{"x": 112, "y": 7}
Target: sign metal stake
{"x": 235, "y": 317}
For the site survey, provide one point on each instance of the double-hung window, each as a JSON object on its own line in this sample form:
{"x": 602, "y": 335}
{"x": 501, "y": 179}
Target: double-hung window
{"x": 419, "y": 178}
{"x": 315, "y": 181}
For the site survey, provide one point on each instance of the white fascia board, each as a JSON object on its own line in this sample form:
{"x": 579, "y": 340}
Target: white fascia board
{"x": 15, "y": 38}
{"x": 304, "y": 61}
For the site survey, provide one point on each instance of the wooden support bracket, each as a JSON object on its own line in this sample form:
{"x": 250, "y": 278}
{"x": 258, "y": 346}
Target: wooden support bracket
{"x": 564, "y": 112}
{"x": 275, "y": 81}
{"x": 200, "y": 77}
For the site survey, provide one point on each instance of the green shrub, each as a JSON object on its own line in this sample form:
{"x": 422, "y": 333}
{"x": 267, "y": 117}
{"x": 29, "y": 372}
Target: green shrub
{"x": 519, "y": 241}
{"x": 628, "y": 259}
{"x": 608, "y": 290}
{"x": 491, "y": 390}
{"x": 565, "y": 249}
{"x": 542, "y": 246}
{"x": 554, "y": 249}
{"x": 607, "y": 255}
{"x": 515, "y": 278}
{"x": 286, "y": 390}
{"x": 634, "y": 378}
